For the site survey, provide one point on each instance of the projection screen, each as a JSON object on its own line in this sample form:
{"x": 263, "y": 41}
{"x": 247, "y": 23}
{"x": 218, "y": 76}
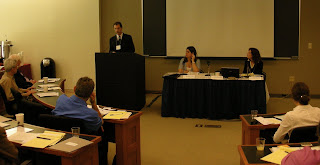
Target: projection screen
{"x": 220, "y": 28}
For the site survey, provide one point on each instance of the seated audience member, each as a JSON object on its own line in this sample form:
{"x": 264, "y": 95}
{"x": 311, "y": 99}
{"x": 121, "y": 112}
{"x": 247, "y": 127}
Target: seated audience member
{"x": 254, "y": 63}
{"x": 190, "y": 61}
{"x": 14, "y": 93}
{"x": 302, "y": 115}
{"x": 21, "y": 80}
{"x": 8, "y": 152}
{"x": 76, "y": 107}
{"x": 304, "y": 156}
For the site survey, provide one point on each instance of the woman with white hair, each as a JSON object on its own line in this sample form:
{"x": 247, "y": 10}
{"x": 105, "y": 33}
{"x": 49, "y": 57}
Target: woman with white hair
{"x": 21, "y": 80}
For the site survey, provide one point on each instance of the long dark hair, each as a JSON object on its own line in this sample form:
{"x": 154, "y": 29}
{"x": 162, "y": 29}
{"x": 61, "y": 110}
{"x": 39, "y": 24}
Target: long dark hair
{"x": 255, "y": 55}
{"x": 301, "y": 93}
{"x": 192, "y": 50}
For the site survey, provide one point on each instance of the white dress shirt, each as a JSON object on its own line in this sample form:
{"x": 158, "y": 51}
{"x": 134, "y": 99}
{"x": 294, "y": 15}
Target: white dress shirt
{"x": 300, "y": 116}
{"x": 119, "y": 36}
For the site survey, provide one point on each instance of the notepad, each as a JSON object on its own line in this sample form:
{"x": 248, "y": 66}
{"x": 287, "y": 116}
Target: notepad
{"x": 48, "y": 138}
{"x": 275, "y": 157}
{"x": 71, "y": 144}
{"x": 48, "y": 94}
{"x": 126, "y": 115}
{"x": 52, "y": 135}
{"x": 114, "y": 115}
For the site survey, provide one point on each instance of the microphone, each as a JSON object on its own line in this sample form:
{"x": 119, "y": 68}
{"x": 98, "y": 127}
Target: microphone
{"x": 248, "y": 63}
{"x": 208, "y": 63}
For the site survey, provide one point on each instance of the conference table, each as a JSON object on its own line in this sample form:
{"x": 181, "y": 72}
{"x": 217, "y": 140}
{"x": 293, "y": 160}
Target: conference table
{"x": 201, "y": 96}
{"x": 251, "y": 131}
{"x": 127, "y": 131}
{"x": 87, "y": 155}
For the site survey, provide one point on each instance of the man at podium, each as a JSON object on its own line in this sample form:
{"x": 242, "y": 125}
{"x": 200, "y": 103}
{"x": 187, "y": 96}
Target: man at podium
{"x": 121, "y": 42}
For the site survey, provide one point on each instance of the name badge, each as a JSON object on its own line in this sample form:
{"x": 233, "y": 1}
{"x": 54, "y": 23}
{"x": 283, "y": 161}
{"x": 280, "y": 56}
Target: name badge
{"x": 118, "y": 47}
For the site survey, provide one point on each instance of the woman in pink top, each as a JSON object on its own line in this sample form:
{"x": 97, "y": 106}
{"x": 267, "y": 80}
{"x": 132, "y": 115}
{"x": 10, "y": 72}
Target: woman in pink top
{"x": 305, "y": 156}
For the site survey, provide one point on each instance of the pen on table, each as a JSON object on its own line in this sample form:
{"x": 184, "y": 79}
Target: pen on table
{"x": 7, "y": 121}
{"x": 43, "y": 138}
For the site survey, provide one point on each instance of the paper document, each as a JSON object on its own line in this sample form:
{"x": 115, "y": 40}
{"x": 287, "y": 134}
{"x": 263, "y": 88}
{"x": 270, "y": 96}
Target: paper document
{"x": 22, "y": 137}
{"x": 275, "y": 157}
{"x": 71, "y": 144}
{"x": 39, "y": 142}
{"x": 53, "y": 135}
{"x": 4, "y": 119}
{"x": 50, "y": 80}
{"x": 4, "y": 125}
{"x": 114, "y": 115}
{"x": 49, "y": 85}
{"x": 253, "y": 78}
{"x": 48, "y": 138}
{"x": 126, "y": 115}
{"x": 17, "y": 129}
{"x": 48, "y": 94}
{"x": 267, "y": 121}
{"x": 109, "y": 108}
{"x": 49, "y": 89}
{"x": 102, "y": 111}
{"x": 216, "y": 77}
{"x": 279, "y": 117}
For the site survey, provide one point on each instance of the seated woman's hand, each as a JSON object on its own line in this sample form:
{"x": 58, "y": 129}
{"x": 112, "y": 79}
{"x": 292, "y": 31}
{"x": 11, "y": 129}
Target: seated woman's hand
{"x": 30, "y": 88}
{"x": 33, "y": 81}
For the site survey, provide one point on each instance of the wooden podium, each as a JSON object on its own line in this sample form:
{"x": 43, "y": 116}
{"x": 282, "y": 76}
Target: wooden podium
{"x": 120, "y": 80}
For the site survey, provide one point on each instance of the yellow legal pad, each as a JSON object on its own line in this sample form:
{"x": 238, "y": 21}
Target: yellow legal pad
{"x": 48, "y": 138}
{"x": 275, "y": 157}
{"x": 114, "y": 115}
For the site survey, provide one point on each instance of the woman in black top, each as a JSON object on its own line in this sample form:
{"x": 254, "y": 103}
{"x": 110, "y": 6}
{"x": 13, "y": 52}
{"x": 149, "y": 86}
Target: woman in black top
{"x": 254, "y": 63}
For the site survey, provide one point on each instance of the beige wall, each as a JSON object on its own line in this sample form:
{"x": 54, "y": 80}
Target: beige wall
{"x": 278, "y": 71}
{"x": 128, "y": 12}
{"x": 66, "y": 31}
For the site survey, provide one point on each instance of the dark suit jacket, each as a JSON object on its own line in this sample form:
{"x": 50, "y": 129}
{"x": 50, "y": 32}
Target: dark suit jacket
{"x": 257, "y": 69}
{"x": 126, "y": 44}
{"x": 21, "y": 81}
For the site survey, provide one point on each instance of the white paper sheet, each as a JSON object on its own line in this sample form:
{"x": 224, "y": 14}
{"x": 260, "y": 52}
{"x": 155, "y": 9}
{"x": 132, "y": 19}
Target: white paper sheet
{"x": 22, "y": 137}
{"x": 48, "y": 94}
{"x": 16, "y": 129}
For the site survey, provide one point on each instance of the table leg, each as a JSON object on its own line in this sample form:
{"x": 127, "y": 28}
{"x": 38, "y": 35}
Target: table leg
{"x": 249, "y": 135}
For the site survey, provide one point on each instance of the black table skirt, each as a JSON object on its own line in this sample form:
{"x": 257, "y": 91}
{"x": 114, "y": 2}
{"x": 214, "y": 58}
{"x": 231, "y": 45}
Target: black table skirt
{"x": 212, "y": 99}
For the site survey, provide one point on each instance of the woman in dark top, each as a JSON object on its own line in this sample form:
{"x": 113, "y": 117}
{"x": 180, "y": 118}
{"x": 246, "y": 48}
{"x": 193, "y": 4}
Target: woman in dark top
{"x": 254, "y": 63}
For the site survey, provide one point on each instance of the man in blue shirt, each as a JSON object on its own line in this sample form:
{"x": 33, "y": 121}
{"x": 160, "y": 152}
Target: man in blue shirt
{"x": 76, "y": 106}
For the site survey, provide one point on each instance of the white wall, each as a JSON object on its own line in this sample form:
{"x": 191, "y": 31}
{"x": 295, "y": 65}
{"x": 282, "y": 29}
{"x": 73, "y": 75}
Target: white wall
{"x": 65, "y": 30}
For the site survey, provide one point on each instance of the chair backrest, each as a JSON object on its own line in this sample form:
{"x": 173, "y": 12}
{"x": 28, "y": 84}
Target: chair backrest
{"x": 304, "y": 134}
{"x": 60, "y": 122}
{"x": 3, "y": 94}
